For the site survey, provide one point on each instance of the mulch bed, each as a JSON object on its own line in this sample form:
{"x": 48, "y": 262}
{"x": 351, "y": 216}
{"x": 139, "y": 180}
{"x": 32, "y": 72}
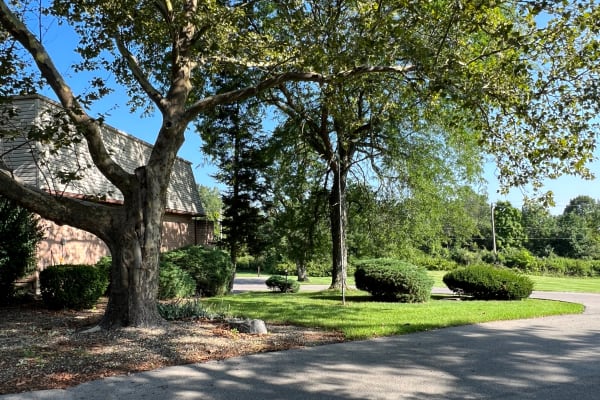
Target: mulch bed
{"x": 45, "y": 349}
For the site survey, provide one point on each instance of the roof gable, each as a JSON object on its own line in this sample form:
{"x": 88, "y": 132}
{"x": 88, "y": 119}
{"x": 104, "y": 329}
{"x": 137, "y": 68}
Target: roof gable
{"x": 45, "y": 165}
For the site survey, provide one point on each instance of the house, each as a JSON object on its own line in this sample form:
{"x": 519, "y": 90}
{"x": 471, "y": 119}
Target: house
{"x": 45, "y": 165}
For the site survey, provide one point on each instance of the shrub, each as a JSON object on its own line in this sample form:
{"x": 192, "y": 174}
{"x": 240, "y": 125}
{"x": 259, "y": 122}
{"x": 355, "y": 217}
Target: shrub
{"x": 72, "y": 286}
{"x": 286, "y": 268}
{"x": 464, "y": 256}
{"x": 434, "y": 263}
{"x": 245, "y": 263}
{"x": 282, "y": 284}
{"x": 173, "y": 282}
{"x": 211, "y": 268}
{"x": 318, "y": 268}
{"x": 19, "y": 236}
{"x": 187, "y": 309}
{"x": 393, "y": 280}
{"x": 489, "y": 283}
{"x": 519, "y": 258}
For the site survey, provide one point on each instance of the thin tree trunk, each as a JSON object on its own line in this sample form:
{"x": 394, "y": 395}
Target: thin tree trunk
{"x": 301, "y": 270}
{"x": 339, "y": 220}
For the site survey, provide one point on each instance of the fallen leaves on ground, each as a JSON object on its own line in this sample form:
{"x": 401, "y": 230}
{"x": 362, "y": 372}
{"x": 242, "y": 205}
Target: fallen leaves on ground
{"x": 45, "y": 349}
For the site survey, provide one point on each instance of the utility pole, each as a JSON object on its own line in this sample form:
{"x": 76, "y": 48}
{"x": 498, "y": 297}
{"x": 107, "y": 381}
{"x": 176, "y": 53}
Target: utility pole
{"x": 493, "y": 207}
{"x": 341, "y": 231}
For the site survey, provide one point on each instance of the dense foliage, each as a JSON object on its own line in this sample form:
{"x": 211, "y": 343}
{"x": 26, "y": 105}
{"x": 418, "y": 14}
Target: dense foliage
{"x": 393, "y": 280}
{"x": 282, "y": 284}
{"x": 19, "y": 236}
{"x": 185, "y": 309}
{"x": 72, "y": 286}
{"x": 174, "y": 282}
{"x": 489, "y": 283}
{"x": 210, "y": 268}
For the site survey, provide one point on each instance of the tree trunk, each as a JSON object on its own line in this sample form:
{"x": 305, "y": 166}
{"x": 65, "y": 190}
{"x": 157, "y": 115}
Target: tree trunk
{"x": 301, "y": 270}
{"x": 135, "y": 248}
{"x": 339, "y": 220}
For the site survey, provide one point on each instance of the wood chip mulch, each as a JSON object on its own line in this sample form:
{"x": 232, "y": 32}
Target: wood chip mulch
{"x": 44, "y": 349}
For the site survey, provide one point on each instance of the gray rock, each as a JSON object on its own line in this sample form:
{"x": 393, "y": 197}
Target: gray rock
{"x": 252, "y": 326}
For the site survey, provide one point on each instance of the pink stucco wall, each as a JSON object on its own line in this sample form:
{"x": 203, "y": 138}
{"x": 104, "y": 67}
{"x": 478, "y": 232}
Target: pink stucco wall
{"x": 64, "y": 244}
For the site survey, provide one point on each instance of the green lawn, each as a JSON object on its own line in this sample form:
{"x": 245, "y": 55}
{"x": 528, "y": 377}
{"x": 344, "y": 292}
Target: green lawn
{"x": 542, "y": 283}
{"x": 362, "y": 318}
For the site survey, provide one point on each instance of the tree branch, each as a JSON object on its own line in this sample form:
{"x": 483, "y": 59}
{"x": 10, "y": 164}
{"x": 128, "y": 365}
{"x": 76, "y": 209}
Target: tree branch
{"x": 140, "y": 77}
{"x": 62, "y": 210}
{"x": 274, "y": 81}
{"x": 77, "y": 114}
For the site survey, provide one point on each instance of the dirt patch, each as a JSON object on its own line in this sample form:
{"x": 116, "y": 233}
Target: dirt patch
{"x": 43, "y": 349}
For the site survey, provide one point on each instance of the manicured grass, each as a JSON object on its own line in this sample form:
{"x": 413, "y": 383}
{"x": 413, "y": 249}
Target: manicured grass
{"x": 362, "y": 318}
{"x": 545, "y": 283}
{"x": 541, "y": 283}
{"x": 566, "y": 284}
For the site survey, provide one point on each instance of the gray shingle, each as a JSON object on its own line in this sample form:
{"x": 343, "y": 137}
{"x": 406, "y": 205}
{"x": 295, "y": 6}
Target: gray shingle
{"x": 42, "y": 165}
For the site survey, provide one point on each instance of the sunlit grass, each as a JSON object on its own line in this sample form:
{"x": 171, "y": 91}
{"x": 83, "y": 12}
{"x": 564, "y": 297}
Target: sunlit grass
{"x": 541, "y": 283}
{"x": 362, "y": 318}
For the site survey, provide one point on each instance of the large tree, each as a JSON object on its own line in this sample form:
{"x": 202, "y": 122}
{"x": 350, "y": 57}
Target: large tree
{"x": 472, "y": 72}
{"x": 234, "y": 139}
{"x": 165, "y": 54}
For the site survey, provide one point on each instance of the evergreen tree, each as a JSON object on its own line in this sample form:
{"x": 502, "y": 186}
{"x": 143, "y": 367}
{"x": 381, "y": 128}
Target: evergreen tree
{"x": 19, "y": 235}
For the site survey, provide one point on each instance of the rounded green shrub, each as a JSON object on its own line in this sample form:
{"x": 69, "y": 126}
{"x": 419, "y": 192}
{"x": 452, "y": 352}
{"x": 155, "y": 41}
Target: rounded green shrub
{"x": 72, "y": 286}
{"x": 520, "y": 259}
{"x": 485, "y": 282}
{"x": 282, "y": 284}
{"x": 173, "y": 282}
{"x": 211, "y": 268}
{"x": 393, "y": 280}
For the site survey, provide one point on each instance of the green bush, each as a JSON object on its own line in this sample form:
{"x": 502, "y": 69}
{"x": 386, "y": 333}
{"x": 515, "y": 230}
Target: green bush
{"x": 434, "y": 263}
{"x": 318, "y": 268}
{"x": 560, "y": 266}
{"x": 173, "y": 282}
{"x": 211, "y": 268}
{"x": 19, "y": 236}
{"x": 186, "y": 309}
{"x": 489, "y": 283}
{"x": 464, "y": 256}
{"x": 246, "y": 263}
{"x": 286, "y": 268}
{"x": 72, "y": 286}
{"x": 393, "y": 280}
{"x": 282, "y": 284}
{"x": 520, "y": 259}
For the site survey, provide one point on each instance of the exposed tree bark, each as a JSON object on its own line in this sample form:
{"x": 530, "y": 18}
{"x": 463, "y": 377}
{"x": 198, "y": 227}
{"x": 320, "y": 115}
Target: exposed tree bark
{"x": 135, "y": 248}
{"x": 301, "y": 271}
{"x": 338, "y": 214}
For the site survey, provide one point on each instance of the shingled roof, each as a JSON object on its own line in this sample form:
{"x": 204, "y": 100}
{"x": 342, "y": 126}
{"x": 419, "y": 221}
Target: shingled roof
{"x": 43, "y": 165}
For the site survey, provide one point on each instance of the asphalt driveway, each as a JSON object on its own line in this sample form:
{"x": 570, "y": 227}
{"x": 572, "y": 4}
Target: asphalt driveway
{"x": 543, "y": 358}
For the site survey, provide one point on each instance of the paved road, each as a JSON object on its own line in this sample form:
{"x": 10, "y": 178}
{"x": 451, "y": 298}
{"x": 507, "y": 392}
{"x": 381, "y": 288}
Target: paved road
{"x": 545, "y": 358}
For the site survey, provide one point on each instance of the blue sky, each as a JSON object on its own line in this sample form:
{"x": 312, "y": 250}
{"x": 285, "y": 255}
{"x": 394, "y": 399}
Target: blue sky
{"x": 61, "y": 44}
